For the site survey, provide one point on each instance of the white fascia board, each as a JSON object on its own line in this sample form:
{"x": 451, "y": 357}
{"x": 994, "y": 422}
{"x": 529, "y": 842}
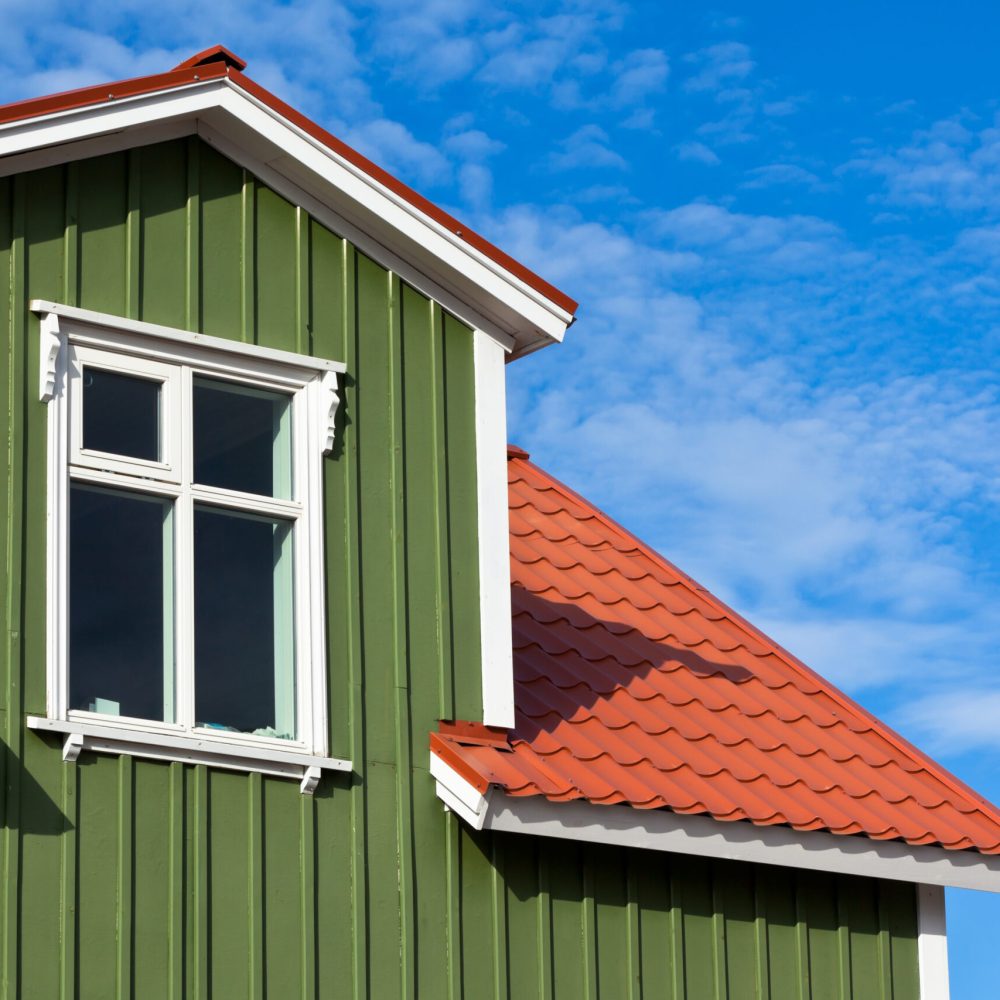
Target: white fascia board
{"x": 459, "y": 795}
{"x": 661, "y": 830}
{"x": 117, "y": 115}
{"x": 932, "y": 943}
{"x": 494, "y": 533}
{"x": 431, "y": 241}
{"x": 516, "y": 309}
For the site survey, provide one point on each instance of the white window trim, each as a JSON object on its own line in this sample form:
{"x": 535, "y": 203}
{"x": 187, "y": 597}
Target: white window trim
{"x": 314, "y": 383}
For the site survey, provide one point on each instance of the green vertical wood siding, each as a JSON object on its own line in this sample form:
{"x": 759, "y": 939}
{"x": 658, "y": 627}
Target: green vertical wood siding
{"x": 130, "y": 878}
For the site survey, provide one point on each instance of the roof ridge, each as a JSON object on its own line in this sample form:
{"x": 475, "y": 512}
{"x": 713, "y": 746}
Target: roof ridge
{"x": 982, "y": 805}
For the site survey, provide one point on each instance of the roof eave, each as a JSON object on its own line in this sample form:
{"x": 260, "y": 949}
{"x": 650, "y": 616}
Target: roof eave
{"x": 705, "y": 836}
{"x": 254, "y": 127}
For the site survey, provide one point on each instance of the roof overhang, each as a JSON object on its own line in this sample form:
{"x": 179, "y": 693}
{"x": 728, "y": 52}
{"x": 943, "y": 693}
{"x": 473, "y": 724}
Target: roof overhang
{"x": 485, "y": 807}
{"x": 339, "y": 187}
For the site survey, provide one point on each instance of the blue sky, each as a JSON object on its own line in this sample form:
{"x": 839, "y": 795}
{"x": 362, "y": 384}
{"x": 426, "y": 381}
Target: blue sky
{"x": 785, "y": 234}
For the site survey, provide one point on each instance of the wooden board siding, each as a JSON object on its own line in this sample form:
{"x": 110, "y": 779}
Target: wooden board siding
{"x": 128, "y": 878}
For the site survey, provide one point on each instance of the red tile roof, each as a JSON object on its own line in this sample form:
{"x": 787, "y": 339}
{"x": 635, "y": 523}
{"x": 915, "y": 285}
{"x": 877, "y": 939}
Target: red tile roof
{"x": 218, "y": 62}
{"x": 635, "y": 685}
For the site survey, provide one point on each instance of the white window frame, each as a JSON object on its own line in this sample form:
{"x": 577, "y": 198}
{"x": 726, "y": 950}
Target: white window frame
{"x": 70, "y": 336}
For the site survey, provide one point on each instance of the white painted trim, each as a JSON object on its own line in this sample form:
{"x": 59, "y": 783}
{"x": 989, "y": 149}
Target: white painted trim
{"x": 458, "y": 795}
{"x": 311, "y": 384}
{"x": 363, "y": 241}
{"x": 494, "y": 532}
{"x": 197, "y": 343}
{"x": 932, "y": 943}
{"x": 202, "y": 749}
{"x": 513, "y": 308}
{"x": 662, "y": 830}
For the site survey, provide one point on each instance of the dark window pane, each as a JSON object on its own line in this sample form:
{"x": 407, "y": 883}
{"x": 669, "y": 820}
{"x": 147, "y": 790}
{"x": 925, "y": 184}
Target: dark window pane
{"x": 120, "y": 598}
{"x": 244, "y": 660}
{"x": 242, "y": 438}
{"x": 121, "y": 414}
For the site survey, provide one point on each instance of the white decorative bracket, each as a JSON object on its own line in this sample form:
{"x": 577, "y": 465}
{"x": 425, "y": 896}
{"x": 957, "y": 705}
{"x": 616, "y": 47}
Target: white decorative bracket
{"x": 72, "y": 747}
{"x": 310, "y": 779}
{"x": 51, "y": 343}
{"x": 329, "y": 401}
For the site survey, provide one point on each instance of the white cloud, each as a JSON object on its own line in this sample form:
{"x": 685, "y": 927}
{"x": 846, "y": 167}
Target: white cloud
{"x": 697, "y": 152}
{"x": 719, "y": 66}
{"x": 394, "y": 147}
{"x": 588, "y": 147}
{"x": 781, "y": 173}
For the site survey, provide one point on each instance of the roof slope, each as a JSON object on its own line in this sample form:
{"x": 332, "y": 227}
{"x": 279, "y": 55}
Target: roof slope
{"x": 635, "y": 685}
{"x": 218, "y": 62}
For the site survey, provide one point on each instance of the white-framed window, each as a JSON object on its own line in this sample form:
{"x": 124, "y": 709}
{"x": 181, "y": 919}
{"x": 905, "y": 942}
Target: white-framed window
{"x": 185, "y": 550}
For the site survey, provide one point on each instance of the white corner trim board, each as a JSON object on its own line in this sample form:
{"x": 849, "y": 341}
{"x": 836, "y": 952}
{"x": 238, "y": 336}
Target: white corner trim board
{"x": 494, "y": 532}
{"x": 662, "y": 830}
{"x": 932, "y": 943}
{"x": 217, "y": 752}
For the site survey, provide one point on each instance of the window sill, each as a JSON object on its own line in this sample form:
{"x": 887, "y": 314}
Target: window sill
{"x": 188, "y": 749}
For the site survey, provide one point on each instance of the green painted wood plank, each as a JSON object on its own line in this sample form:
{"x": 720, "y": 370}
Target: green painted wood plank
{"x": 133, "y": 234}
{"x": 569, "y": 975}
{"x": 177, "y": 918}
{"x": 125, "y": 894}
{"x": 818, "y": 893}
{"x": 276, "y": 281}
{"x": 633, "y": 927}
{"x": 248, "y": 258}
{"x": 694, "y": 879}
{"x": 68, "y": 880}
{"x": 778, "y": 891}
{"x": 282, "y": 909}
{"x": 543, "y": 947}
{"x": 255, "y": 886}
{"x": 71, "y": 241}
{"x": 307, "y": 895}
{"x": 103, "y": 207}
{"x": 655, "y": 926}
{"x": 15, "y": 376}
{"x": 477, "y": 914}
{"x": 762, "y": 959}
{"x": 384, "y": 919}
{"x": 198, "y": 853}
{"x": 611, "y": 944}
{"x": 498, "y": 897}
{"x": 734, "y": 891}
{"x": 192, "y": 256}
{"x": 151, "y": 890}
{"x": 97, "y": 872}
{"x": 163, "y": 186}
{"x": 521, "y": 915}
{"x": 463, "y": 512}
{"x": 221, "y": 234}
{"x": 454, "y": 919}
{"x": 233, "y": 837}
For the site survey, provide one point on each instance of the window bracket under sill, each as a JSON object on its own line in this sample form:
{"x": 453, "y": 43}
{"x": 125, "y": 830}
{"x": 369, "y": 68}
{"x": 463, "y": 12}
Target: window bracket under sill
{"x": 80, "y": 736}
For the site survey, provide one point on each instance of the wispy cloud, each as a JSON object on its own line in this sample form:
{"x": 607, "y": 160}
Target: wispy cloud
{"x": 718, "y": 66}
{"x": 588, "y": 147}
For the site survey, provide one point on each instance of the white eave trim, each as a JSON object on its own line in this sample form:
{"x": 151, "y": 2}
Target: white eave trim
{"x": 661, "y": 830}
{"x": 188, "y": 749}
{"x": 459, "y": 795}
{"x": 508, "y": 303}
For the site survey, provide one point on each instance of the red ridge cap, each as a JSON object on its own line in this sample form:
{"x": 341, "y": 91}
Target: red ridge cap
{"x": 514, "y": 452}
{"x": 215, "y": 53}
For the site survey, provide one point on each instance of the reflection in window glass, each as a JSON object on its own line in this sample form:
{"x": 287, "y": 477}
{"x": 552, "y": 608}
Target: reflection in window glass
{"x": 121, "y": 414}
{"x": 242, "y": 438}
{"x": 120, "y": 604}
{"x": 244, "y": 647}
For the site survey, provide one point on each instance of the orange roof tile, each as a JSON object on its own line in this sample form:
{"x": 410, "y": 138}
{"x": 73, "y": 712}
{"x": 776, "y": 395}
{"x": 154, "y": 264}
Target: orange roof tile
{"x": 635, "y": 685}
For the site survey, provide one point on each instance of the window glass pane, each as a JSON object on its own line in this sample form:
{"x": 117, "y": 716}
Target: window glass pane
{"x": 242, "y": 438}
{"x": 244, "y": 648}
{"x": 121, "y": 604}
{"x": 121, "y": 414}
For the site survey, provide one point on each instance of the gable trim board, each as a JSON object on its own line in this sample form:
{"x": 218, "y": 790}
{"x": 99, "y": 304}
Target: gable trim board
{"x": 513, "y": 299}
{"x": 736, "y": 840}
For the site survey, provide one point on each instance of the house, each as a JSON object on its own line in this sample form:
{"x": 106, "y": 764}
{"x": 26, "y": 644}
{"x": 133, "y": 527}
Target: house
{"x": 264, "y": 541}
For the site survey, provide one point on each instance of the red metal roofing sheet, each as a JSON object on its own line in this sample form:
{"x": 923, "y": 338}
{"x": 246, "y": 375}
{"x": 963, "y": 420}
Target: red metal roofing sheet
{"x": 635, "y": 685}
{"x": 217, "y": 62}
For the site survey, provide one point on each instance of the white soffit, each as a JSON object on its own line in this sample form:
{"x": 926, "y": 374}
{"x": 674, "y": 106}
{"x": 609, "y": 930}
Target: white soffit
{"x": 662, "y": 830}
{"x": 256, "y": 134}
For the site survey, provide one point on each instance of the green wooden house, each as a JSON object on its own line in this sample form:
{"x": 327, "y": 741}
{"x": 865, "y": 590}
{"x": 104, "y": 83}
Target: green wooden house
{"x": 311, "y": 687}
